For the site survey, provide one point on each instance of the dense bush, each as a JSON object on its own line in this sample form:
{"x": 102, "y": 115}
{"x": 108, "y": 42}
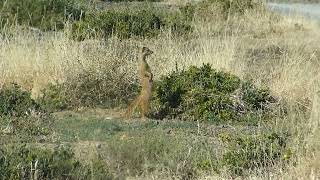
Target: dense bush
{"x": 42, "y": 14}
{"x": 14, "y": 101}
{"x": 256, "y": 98}
{"x": 206, "y": 94}
{"x": 247, "y": 152}
{"x": 146, "y": 22}
{"x": 22, "y": 162}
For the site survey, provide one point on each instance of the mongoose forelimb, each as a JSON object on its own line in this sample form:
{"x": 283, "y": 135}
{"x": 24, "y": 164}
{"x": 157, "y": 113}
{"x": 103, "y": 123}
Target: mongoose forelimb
{"x": 146, "y": 80}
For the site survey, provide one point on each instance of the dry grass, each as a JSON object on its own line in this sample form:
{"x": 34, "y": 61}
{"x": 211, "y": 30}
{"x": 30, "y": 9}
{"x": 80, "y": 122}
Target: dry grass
{"x": 282, "y": 54}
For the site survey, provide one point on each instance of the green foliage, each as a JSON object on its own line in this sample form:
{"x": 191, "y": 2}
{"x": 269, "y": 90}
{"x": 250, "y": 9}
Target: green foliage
{"x": 18, "y": 162}
{"x": 16, "y": 102}
{"x": 53, "y": 98}
{"x": 123, "y": 24}
{"x": 42, "y": 14}
{"x": 256, "y": 98}
{"x": 205, "y": 94}
{"x": 145, "y": 22}
{"x": 250, "y": 152}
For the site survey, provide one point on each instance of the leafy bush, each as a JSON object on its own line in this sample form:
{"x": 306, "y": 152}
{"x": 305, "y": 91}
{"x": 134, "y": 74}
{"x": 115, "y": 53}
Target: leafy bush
{"x": 42, "y": 14}
{"x": 22, "y": 162}
{"x": 146, "y": 22}
{"x": 256, "y": 98}
{"x": 15, "y": 101}
{"x": 205, "y": 94}
{"x": 250, "y": 152}
{"x": 53, "y": 98}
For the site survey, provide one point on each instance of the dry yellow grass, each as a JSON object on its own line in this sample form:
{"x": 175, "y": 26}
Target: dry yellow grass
{"x": 34, "y": 60}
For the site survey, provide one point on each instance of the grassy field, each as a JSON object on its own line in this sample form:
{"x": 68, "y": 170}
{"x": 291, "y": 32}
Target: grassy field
{"x": 74, "y": 71}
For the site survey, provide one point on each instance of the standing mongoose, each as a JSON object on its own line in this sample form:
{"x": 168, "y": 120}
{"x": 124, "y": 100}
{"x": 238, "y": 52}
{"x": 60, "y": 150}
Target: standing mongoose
{"x": 146, "y": 80}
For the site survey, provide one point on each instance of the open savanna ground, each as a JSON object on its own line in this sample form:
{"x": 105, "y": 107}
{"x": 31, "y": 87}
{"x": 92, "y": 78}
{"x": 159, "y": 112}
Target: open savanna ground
{"x": 236, "y": 91}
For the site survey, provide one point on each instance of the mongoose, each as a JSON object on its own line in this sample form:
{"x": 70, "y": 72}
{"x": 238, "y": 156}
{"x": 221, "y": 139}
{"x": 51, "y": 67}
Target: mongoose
{"x": 146, "y": 80}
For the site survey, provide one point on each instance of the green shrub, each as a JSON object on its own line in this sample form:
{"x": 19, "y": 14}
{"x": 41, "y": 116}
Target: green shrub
{"x": 18, "y": 162}
{"x": 205, "y": 94}
{"x": 123, "y": 24}
{"x": 249, "y": 152}
{"x": 42, "y": 14}
{"x": 16, "y": 102}
{"x": 53, "y": 98}
{"x": 256, "y": 98}
{"x": 145, "y": 22}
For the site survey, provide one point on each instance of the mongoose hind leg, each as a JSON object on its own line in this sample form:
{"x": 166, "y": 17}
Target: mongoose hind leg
{"x": 144, "y": 105}
{"x": 132, "y": 107}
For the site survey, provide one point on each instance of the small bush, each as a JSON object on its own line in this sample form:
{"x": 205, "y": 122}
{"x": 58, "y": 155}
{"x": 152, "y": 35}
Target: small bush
{"x": 251, "y": 152}
{"x": 256, "y": 98}
{"x": 205, "y": 94}
{"x": 53, "y": 98}
{"x": 15, "y": 101}
{"x": 18, "y": 162}
{"x": 42, "y": 14}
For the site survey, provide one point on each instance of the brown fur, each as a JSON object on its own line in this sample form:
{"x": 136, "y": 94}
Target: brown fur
{"x": 146, "y": 80}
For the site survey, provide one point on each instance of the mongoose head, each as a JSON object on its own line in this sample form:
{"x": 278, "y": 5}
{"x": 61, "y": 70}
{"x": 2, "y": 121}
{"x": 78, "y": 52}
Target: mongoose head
{"x": 146, "y": 51}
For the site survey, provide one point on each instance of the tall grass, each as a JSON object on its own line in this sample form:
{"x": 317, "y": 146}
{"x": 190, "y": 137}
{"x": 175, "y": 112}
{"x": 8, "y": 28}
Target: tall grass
{"x": 258, "y": 45}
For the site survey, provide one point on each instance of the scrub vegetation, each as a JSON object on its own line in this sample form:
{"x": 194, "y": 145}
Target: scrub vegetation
{"x": 236, "y": 91}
